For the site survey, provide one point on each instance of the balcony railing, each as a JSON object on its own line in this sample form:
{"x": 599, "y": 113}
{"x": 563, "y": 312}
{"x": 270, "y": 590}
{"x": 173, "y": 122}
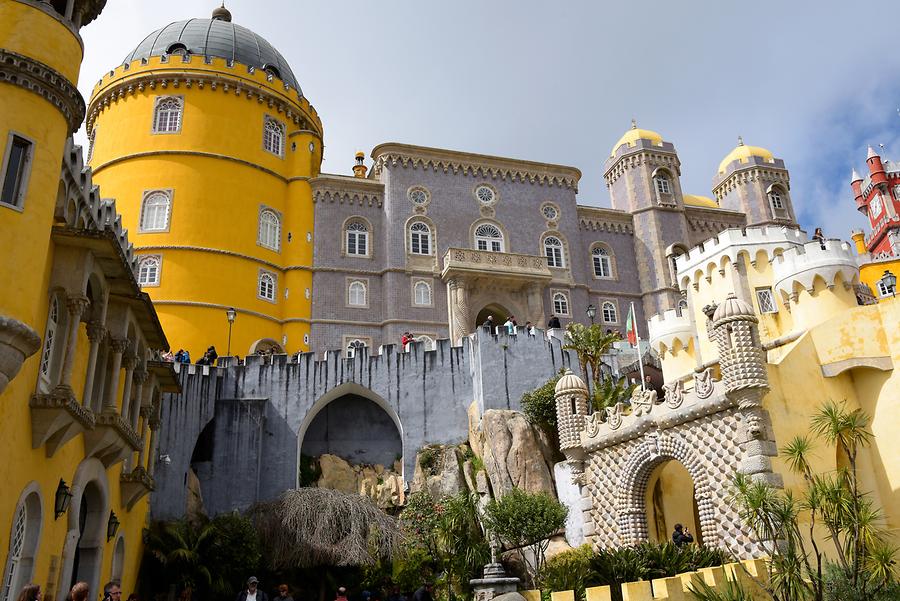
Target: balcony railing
{"x": 468, "y": 261}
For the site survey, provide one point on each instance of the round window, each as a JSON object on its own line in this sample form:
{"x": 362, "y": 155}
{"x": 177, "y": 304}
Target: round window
{"x": 418, "y": 196}
{"x": 312, "y": 147}
{"x": 484, "y": 194}
{"x": 550, "y": 212}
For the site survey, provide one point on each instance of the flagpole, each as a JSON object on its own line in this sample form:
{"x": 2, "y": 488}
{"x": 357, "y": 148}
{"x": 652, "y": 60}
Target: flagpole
{"x": 638, "y": 340}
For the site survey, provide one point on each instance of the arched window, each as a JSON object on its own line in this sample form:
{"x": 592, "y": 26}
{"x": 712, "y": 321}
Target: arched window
{"x": 560, "y": 303}
{"x": 50, "y": 337}
{"x": 23, "y": 543}
{"x": 777, "y": 199}
{"x": 354, "y": 346}
{"x": 682, "y": 306}
{"x": 553, "y": 250}
{"x": 155, "y": 212}
{"x": 602, "y": 262}
{"x": 422, "y": 294}
{"x": 118, "y": 560}
{"x": 269, "y": 229}
{"x": 273, "y": 136}
{"x": 266, "y": 286}
{"x": 357, "y": 238}
{"x": 356, "y": 294}
{"x": 419, "y": 239}
{"x": 167, "y": 115}
{"x": 663, "y": 185}
{"x": 148, "y": 271}
{"x": 609, "y": 313}
{"x": 488, "y": 237}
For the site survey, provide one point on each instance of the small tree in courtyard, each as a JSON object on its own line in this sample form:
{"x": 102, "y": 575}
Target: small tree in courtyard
{"x": 524, "y": 522}
{"x": 863, "y": 565}
{"x": 590, "y": 343}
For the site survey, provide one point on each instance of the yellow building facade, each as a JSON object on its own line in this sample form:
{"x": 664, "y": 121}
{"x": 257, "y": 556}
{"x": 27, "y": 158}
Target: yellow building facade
{"x": 208, "y": 145}
{"x": 79, "y": 394}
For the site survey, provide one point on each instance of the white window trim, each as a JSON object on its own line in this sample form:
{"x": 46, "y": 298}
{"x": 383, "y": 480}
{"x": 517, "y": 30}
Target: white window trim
{"x": 761, "y": 291}
{"x": 877, "y": 201}
{"x": 615, "y": 307}
{"x": 409, "y": 238}
{"x": 169, "y": 194}
{"x": 487, "y": 241}
{"x": 278, "y": 218}
{"x": 611, "y": 258}
{"x": 159, "y": 100}
{"x": 345, "y": 232}
{"x": 426, "y": 191}
{"x": 155, "y": 283}
{"x": 348, "y": 339}
{"x": 564, "y": 293}
{"x": 662, "y": 181}
{"x": 494, "y": 200}
{"x": 365, "y": 284}
{"x": 266, "y": 120}
{"x": 259, "y": 276}
{"x": 553, "y": 206}
{"x": 430, "y": 284}
{"x": 561, "y": 248}
{"x": 31, "y": 543}
{"x": 883, "y": 291}
{"x": 19, "y": 202}
{"x": 50, "y": 343}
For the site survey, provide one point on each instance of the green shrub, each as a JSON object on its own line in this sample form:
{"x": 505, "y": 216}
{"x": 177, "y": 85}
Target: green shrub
{"x": 838, "y": 587}
{"x": 570, "y": 570}
{"x": 539, "y": 405}
{"x": 428, "y": 459}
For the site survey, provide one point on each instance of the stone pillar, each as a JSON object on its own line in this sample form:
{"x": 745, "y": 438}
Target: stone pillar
{"x": 76, "y": 304}
{"x": 534, "y": 304}
{"x": 451, "y": 306}
{"x": 154, "y": 440}
{"x": 118, "y": 346}
{"x": 96, "y": 333}
{"x": 143, "y": 432}
{"x": 462, "y": 306}
{"x": 134, "y": 412}
{"x": 129, "y": 362}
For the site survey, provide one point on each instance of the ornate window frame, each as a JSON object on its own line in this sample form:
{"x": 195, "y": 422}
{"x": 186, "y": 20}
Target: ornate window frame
{"x": 663, "y": 181}
{"x": 766, "y": 301}
{"x": 548, "y": 207}
{"x": 154, "y": 126}
{"x": 350, "y": 283}
{"x": 345, "y": 235}
{"x": 18, "y": 202}
{"x": 169, "y": 195}
{"x": 154, "y": 283}
{"x": 346, "y": 339}
{"x": 263, "y": 210}
{"x": 504, "y": 239}
{"x": 414, "y": 284}
{"x": 566, "y": 299}
{"x": 415, "y": 190}
{"x": 477, "y": 194}
{"x": 53, "y": 342}
{"x": 265, "y": 273}
{"x": 430, "y": 237}
{"x": 610, "y": 255}
{"x": 605, "y": 304}
{"x": 281, "y": 133}
{"x": 562, "y": 247}
{"x": 27, "y": 522}
{"x": 778, "y": 199}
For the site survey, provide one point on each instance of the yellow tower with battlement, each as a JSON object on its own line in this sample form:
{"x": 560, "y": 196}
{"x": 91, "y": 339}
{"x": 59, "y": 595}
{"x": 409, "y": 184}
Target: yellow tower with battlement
{"x": 207, "y": 143}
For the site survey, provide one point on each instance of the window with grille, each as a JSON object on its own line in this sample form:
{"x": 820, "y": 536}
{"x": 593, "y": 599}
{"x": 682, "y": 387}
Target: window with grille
{"x": 876, "y": 206}
{"x": 419, "y": 239}
{"x": 49, "y": 340}
{"x": 148, "y": 271}
{"x": 269, "y": 229}
{"x": 553, "y": 250}
{"x": 357, "y": 238}
{"x": 488, "y": 237}
{"x": 266, "y": 286}
{"x": 155, "y": 212}
{"x": 663, "y": 186}
{"x": 609, "y": 313}
{"x": 776, "y": 200}
{"x": 17, "y": 165}
{"x": 602, "y": 262}
{"x": 273, "y": 136}
{"x": 884, "y": 289}
{"x": 17, "y": 544}
{"x": 355, "y": 346}
{"x": 560, "y": 304}
{"x": 422, "y": 294}
{"x": 167, "y": 115}
{"x": 356, "y": 294}
{"x": 766, "y": 300}
{"x": 485, "y": 194}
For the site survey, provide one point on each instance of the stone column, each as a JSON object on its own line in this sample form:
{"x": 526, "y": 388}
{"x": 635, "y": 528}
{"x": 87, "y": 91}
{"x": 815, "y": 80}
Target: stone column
{"x": 462, "y": 306}
{"x": 534, "y": 304}
{"x": 451, "y": 305}
{"x": 151, "y": 459}
{"x": 143, "y": 432}
{"x": 129, "y": 362}
{"x": 96, "y": 333}
{"x": 118, "y": 346}
{"x": 76, "y": 304}
{"x": 134, "y": 412}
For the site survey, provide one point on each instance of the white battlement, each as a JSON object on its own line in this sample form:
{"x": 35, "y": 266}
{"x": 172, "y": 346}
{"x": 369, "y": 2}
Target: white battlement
{"x": 669, "y": 327}
{"x": 710, "y": 255}
{"x": 802, "y": 265}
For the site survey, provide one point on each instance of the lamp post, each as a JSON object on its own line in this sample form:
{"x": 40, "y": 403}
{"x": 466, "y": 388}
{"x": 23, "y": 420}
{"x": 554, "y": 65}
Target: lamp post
{"x": 62, "y": 499}
{"x": 591, "y": 313}
{"x": 889, "y": 282}
{"x": 230, "y": 313}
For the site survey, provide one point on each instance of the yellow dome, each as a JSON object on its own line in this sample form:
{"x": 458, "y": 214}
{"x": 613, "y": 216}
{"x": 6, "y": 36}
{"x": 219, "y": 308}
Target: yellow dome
{"x": 633, "y": 135}
{"x": 742, "y": 153}
{"x": 692, "y": 200}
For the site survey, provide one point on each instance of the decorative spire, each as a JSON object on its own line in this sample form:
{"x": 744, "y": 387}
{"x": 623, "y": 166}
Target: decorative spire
{"x": 740, "y": 140}
{"x": 871, "y": 153}
{"x": 633, "y": 124}
{"x": 221, "y": 14}
{"x": 854, "y": 176}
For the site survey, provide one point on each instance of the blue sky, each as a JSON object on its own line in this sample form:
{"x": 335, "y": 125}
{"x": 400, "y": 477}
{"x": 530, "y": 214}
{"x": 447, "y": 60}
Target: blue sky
{"x": 560, "y": 82}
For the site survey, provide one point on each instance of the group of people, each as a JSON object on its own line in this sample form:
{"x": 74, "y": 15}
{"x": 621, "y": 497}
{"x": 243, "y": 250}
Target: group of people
{"x": 183, "y": 356}
{"x": 253, "y": 593}
{"x": 80, "y": 591}
{"x": 511, "y": 326}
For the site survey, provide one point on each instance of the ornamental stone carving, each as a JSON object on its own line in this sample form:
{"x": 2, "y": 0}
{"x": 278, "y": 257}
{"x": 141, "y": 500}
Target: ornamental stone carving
{"x": 17, "y": 343}
{"x": 642, "y": 401}
{"x": 703, "y": 383}
{"x": 674, "y": 394}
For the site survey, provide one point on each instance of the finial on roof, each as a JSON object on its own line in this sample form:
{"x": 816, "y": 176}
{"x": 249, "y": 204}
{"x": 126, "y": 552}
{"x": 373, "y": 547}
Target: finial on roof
{"x": 871, "y": 153}
{"x": 855, "y": 177}
{"x": 221, "y": 13}
{"x": 740, "y": 140}
{"x": 633, "y": 124}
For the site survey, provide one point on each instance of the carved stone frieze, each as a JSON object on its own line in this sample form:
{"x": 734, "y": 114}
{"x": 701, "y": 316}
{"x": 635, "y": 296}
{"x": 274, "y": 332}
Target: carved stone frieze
{"x": 17, "y": 343}
{"x": 703, "y": 383}
{"x": 674, "y": 394}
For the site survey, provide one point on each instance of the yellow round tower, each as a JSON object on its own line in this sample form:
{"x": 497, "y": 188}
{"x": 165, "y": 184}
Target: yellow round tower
{"x": 207, "y": 143}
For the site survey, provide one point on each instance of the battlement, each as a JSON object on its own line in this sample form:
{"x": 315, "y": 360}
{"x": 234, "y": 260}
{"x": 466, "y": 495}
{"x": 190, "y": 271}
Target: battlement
{"x": 749, "y": 162}
{"x": 799, "y": 267}
{"x": 669, "y": 327}
{"x": 713, "y": 254}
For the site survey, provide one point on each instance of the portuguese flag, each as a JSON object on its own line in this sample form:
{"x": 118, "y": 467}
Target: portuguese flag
{"x": 631, "y": 327}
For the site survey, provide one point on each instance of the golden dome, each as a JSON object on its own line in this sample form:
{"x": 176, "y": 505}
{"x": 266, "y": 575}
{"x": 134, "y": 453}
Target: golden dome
{"x": 633, "y": 135}
{"x": 742, "y": 153}
{"x": 692, "y": 200}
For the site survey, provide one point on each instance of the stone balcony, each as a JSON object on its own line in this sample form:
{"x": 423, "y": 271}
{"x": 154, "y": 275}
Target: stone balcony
{"x": 135, "y": 485}
{"x": 111, "y": 439}
{"x": 468, "y": 263}
{"x": 57, "y": 417}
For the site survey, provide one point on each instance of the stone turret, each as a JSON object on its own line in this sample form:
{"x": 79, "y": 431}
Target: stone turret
{"x": 571, "y": 396}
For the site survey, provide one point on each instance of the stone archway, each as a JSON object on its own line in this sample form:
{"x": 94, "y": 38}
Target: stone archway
{"x": 631, "y": 497}
{"x": 499, "y": 312}
{"x": 267, "y": 346}
{"x": 87, "y": 520}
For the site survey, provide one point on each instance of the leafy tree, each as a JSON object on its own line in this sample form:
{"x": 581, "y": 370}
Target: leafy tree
{"x": 525, "y": 521}
{"x": 610, "y": 391}
{"x": 539, "y": 405}
{"x": 185, "y": 553}
{"x": 568, "y": 571}
{"x": 864, "y": 565}
{"x": 237, "y": 549}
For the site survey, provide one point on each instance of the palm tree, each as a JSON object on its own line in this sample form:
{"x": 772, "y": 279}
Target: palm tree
{"x": 612, "y": 391}
{"x": 185, "y": 553}
{"x": 590, "y": 343}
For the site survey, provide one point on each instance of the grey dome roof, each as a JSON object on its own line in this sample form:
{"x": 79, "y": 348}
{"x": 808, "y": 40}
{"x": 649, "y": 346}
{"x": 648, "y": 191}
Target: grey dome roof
{"x": 216, "y": 37}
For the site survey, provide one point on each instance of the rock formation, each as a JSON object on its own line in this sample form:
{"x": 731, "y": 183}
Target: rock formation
{"x": 382, "y": 485}
{"x": 515, "y": 453}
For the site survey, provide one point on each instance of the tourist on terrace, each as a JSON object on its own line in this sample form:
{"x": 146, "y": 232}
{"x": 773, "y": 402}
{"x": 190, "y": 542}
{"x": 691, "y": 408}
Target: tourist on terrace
{"x": 553, "y": 324}
{"x": 405, "y": 339}
{"x": 209, "y": 357}
{"x": 112, "y": 591}
{"x": 79, "y": 592}
{"x": 489, "y": 324}
{"x": 252, "y": 593}
{"x": 182, "y": 356}
{"x": 529, "y": 328}
{"x": 820, "y": 237}
{"x": 510, "y": 325}
{"x": 681, "y": 536}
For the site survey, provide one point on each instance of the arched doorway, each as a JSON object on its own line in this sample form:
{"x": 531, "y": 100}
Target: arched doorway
{"x": 499, "y": 312}
{"x": 355, "y": 424}
{"x": 90, "y": 523}
{"x": 669, "y": 501}
{"x": 266, "y": 346}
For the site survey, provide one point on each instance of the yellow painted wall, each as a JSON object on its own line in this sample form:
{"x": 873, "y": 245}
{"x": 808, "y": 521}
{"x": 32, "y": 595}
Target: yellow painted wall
{"x": 220, "y": 177}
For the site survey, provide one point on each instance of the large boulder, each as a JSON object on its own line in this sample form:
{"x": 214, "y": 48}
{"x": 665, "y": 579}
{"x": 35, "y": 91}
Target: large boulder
{"x": 380, "y": 484}
{"x": 337, "y": 474}
{"x": 515, "y": 453}
{"x": 438, "y": 472}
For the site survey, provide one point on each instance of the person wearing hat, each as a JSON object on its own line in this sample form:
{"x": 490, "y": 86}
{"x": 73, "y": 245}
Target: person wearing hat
{"x": 252, "y": 593}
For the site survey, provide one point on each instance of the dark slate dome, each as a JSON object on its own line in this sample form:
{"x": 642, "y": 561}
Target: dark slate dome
{"x": 216, "y": 37}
